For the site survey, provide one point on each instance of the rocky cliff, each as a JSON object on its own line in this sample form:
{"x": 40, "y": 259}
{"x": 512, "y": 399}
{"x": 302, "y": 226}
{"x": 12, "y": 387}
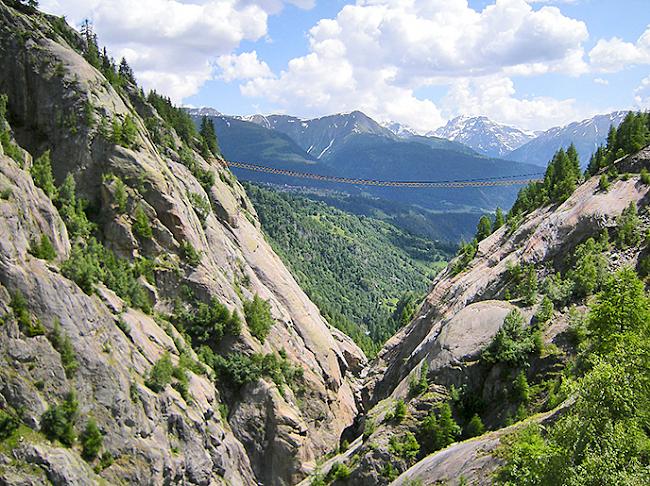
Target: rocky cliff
{"x": 203, "y": 240}
{"x": 440, "y": 357}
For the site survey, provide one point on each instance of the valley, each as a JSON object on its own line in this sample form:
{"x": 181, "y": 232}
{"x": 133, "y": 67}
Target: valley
{"x": 165, "y": 320}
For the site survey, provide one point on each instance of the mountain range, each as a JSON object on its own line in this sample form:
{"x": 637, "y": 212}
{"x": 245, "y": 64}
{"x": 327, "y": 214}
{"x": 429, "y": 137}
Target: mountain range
{"x": 354, "y": 145}
{"x": 484, "y": 135}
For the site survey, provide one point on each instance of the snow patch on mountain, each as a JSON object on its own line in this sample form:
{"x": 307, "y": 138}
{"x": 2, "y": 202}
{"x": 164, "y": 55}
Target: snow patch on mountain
{"x": 484, "y": 135}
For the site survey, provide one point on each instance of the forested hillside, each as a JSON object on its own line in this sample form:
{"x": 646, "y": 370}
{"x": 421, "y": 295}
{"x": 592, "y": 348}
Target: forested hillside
{"x": 365, "y": 275}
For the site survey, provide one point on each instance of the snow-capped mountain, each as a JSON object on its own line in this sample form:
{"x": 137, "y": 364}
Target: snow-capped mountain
{"x": 484, "y": 135}
{"x": 401, "y": 130}
{"x": 320, "y": 137}
{"x": 203, "y": 111}
{"x": 586, "y": 135}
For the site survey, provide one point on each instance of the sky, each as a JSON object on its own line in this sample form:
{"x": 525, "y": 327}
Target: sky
{"x": 533, "y": 64}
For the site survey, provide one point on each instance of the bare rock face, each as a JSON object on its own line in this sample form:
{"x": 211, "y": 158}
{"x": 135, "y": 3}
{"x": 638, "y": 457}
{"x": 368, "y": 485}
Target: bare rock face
{"x": 547, "y": 234}
{"x": 59, "y": 102}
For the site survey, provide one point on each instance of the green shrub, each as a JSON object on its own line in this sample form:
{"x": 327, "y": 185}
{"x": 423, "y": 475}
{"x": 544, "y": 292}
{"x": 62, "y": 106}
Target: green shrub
{"x": 161, "y": 373}
{"x": 258, "y": 317}
{"x": 63, "y": 345}
{"x": 590, "y": 267}
{"x": 484, "y": 228}
{"x": 513, "y": 343}
{"x": 72, "y": 210}
{"x": 338, "y": 472}
{"x": 57, "y": 423}
{"x": 643, "y": 267}
{"x": 201, "y": 206}
{"x": 91, "y": 441}
{"x": 406, "y": 447}
{"x": 628, "y": 227}
{"x": 120, "y": 196}
{"x": 466, "y": 254}
{"x": 523, "y": 283}
{"x": 43, "y": 248}
{"x": 521, "y": 389}
{"x": 27, "y": 323}
{"x": 474, "y": 427}
{"x": 8, "y": 424}
{"x": 436, "y": 432}
{"x": 238, "y": 369}
{"x": 141, "y": 225}
{"x": 645, "y": 176}
{"x": 207, "y": 324}
{"x": 621, "y": 307}
{"x": 41, "y": 171}
{"x": 418, "y": 384}
{"x": 545, "y": 311}
{"x": 603, "y": 183}
{"x": 190, "y": 254}
{"x": 559, "y": 290}
{"x": 91, "y": 263}
{"x": 399, "y": 412}
{"x": 182, "y": 384}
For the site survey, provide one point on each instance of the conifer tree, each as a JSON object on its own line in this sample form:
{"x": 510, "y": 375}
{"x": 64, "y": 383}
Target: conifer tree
{"x": 499, "y": 220}
{"x": 484, "y": 228}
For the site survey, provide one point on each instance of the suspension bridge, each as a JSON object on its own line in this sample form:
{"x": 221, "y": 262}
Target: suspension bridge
{"x": 454, "y": 184}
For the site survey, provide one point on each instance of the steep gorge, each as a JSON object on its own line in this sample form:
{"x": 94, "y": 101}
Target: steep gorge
{"x": 241, "y": 405}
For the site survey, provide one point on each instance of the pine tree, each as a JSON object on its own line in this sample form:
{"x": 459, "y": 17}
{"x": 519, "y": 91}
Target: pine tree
{"x": 499, "y": 219}
{"x": 209, "y": 136}
{"x": 126, "y": 72}
{"x": 484, "y": 228}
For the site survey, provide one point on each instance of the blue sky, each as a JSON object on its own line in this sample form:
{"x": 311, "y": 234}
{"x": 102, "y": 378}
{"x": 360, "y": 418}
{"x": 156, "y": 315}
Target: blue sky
{"x": 532, "y": 64}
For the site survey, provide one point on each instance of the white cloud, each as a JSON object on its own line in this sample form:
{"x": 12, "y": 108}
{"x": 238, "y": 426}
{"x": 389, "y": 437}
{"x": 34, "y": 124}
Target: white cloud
{"x": 243, "y": 66}
{"x": 375, "y": 55}
{"x": 494, "y": 96}
{"x": 612, "y": 55}
{"x": 601, "y": 81}
{"x": 642, "y": 94}
{"x": 173, "y": 45}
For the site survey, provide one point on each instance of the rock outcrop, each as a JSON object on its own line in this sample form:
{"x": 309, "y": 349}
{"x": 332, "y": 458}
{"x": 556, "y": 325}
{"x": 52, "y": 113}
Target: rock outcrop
{"x": 59, "y": 102}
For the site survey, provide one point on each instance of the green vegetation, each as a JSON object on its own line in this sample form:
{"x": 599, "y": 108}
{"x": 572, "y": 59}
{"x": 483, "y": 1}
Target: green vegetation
{"x": 466, "y": 253}
{"x": 42, "y": 248}
{"x": 631, "y": 136}
{"x": 9, "y": 423}
{"x": 90, "y": 263}
{"x": 176, "y": 118}
{"x": 124, "y": 132}
{"x": 161, "y": 373}
{"x": 484, "y": 228}
{"x": 405, "y": 447}
{"x": 338, "y": 472}
{"x": 41, "y": 171}
{"x": 603, "y": 438}
{"x": 63, "y": 344}
{"x": 474, "y": 427}
{"x": 356, "y": 269}
{"x": 258, "y": 317}
{"x": 520, "y": 388}
{"x": 58, "y": 421}
{"x": 238, "y": 369}
{"x": 210, "y": 145}
{"x": 398, "y": 413}
{"x": 206, "y": 324}
{"x": 513, "y": 342}
{"x": 603, "y": 183}
{"x": 91, "y": 441}
{"x": 560, "y": 180}
{"x": 437, "y": 431}
{"x": 419, "y": 383}
{"x": 201, "y": 206}
{"x": 27, "y": 323}
{"x": 141, "y": 225}
{"x": 190, "y": 254}
{"x": 72, "y": 210}
{"x": 9, "y": 148}
{"x": 627, "y": 227}
{"x": 522, "y": 283}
